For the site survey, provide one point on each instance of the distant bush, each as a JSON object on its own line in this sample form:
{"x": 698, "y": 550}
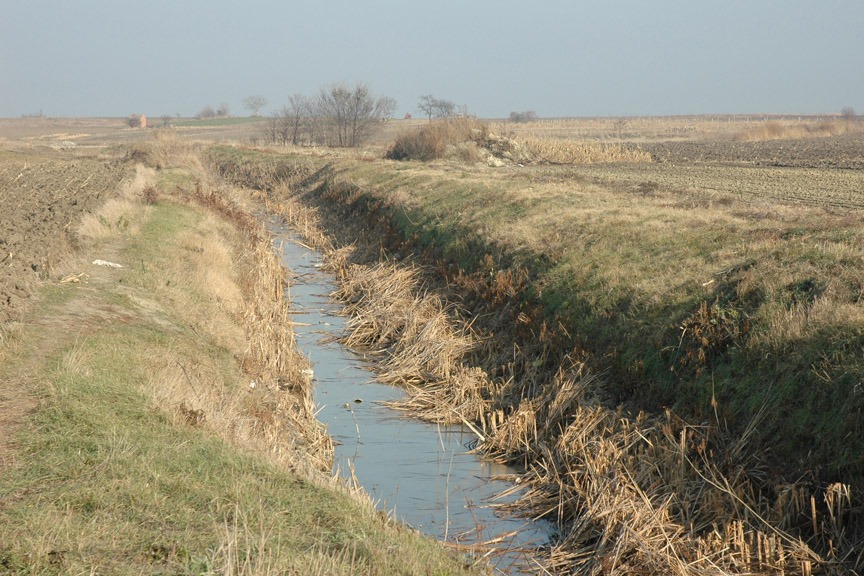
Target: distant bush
{"x": 206, "y": 112}
{"x": 527, "y": 116}
{"x": 433, "y": 141}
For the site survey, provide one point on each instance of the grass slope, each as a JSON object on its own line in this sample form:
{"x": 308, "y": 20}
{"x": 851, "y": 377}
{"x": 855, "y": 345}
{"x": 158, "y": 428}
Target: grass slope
{"x": 734, "y": 308}
{"x": 117, "y": 472}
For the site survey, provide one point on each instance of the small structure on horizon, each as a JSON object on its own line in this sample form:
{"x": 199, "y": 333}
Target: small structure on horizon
{"x": 137, "y": 121}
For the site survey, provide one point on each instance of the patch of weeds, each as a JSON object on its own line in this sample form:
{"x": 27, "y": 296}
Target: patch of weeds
{"x": 10, "y": 562}
{"x": 706, "y": 334}
{"x": 805, "y": 292}
{"x": 796, "y": 232}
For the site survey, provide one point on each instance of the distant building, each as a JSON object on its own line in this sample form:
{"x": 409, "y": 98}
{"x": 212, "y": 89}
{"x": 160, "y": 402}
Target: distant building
{"x": 137, "y": 121}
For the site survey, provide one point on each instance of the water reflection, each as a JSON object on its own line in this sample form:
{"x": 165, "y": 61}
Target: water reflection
{"x": 422, "y": 473}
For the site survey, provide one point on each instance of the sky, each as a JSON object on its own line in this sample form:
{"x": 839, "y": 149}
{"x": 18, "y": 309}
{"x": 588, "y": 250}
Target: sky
{"x": 554, "y": 57}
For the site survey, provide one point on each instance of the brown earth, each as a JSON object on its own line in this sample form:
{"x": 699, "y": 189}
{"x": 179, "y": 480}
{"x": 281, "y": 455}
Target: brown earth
{"x": 844, "y": 151}
{"x": 44, "y": 194}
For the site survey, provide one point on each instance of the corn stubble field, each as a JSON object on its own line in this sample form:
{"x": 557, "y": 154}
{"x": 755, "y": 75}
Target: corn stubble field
{"x": 659, "y": 318}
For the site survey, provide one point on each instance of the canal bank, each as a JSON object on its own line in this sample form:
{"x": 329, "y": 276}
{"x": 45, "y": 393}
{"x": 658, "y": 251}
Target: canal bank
{"x": 423, "y": 474}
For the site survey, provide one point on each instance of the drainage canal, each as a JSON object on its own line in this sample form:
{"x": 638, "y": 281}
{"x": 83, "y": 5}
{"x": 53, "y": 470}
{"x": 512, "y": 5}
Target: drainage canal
{"x": 421, "y": 473}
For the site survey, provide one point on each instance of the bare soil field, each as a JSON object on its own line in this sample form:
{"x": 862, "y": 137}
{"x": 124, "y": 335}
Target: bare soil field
{"x": 756, "y": 185}
{"x": 43, "y": 195}
{"x": 841, "y": 151}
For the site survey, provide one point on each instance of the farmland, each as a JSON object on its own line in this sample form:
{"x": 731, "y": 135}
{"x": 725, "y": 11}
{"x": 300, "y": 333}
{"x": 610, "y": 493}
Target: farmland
{"x": 671, "y": 345}
{"x": 137, "y": 308}
{"x": 718, "y": 282}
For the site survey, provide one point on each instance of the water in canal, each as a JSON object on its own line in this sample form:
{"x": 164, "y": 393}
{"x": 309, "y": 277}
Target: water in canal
{"x": 423, "y": 474}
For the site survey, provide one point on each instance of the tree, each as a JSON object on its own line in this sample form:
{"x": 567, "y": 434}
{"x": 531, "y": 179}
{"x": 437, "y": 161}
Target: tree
{"x": 295, "y": 119}
{"x": 349, "y": 116}
{"x": 206, "y": 112}
{"x": 254, "y": 104}
{"x": 436, "y": 107}
{"x": 848, "y": 113}
{"x": 527, "y": 116}
{"x": 223, "y": 110}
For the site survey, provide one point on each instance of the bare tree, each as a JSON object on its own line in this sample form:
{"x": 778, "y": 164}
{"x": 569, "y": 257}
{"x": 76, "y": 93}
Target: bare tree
{"x": 436, "y": 107}
{"x": 349, "y": 116}
{"x": 223, "y": 110}
{"x": 254, "y": 104}
{"x": 295, "y": 122}
{"x": 205, "y": 112}
{"x": 269, "y": 129}
{"x": 848, "y": 113}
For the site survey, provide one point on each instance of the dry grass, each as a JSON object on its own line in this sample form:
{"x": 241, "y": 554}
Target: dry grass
{"x": 746, "y": 308}
{"x": 121, "y": 214}
{"x": 546, "y": 151}
{"x": 777, "y": 130}
{"x": 667, "y": 128}
{"x": 165, "y": 147}
{"x": 648, "y": 495}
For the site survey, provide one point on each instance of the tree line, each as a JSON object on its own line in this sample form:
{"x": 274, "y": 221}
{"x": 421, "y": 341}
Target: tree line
{"x": 338, "y": 116}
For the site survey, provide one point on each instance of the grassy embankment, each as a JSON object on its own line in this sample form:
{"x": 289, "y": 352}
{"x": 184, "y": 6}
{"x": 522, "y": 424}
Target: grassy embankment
{"x": 709, "y": 303}
{"x": 149, "y": 450}
{"x": 743, "y": 316}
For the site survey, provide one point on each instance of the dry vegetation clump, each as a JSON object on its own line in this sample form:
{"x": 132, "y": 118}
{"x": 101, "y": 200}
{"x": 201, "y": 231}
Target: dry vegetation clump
{"x": 777, "y": 130}
{"x": 421, "y": 349}
{"x": 659, "y": 496}
{"x": 439, "y": 139}
{"x": 268, "y": 177}
{"x": 471, "y": 141}
{"x": 166, "y": 148}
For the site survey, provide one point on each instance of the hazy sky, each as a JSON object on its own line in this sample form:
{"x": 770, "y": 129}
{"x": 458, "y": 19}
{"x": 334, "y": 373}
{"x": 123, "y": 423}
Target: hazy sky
{"x": 556, "y": 57}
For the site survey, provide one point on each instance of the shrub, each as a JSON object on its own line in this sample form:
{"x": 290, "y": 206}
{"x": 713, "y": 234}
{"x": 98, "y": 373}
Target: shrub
{"x": 527, "y": 116}
{"x": 432, "y": 141}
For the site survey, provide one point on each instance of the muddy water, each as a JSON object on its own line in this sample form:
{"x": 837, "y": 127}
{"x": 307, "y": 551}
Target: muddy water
{"x": 421, "y": 473}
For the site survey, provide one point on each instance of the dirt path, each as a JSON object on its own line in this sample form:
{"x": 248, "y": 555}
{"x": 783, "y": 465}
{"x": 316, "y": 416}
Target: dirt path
{"x": 43, "y": 198}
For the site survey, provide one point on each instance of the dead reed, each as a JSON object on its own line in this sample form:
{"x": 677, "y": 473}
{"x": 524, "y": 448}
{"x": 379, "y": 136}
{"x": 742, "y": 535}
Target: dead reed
{"x": 632, "y": 494}
{"x": 777, "y": 130}
{"x": 271, "y": 361}
{"x": 547, "y": 151}
{"x": 656, "y": 495}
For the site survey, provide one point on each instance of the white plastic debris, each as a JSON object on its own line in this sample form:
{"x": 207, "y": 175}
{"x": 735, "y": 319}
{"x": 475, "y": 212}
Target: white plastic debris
{"x": 106, "y": 263}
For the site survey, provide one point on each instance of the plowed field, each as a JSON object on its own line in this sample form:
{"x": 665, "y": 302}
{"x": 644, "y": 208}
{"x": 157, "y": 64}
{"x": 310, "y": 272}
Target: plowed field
{"x": 43, "y": 196}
